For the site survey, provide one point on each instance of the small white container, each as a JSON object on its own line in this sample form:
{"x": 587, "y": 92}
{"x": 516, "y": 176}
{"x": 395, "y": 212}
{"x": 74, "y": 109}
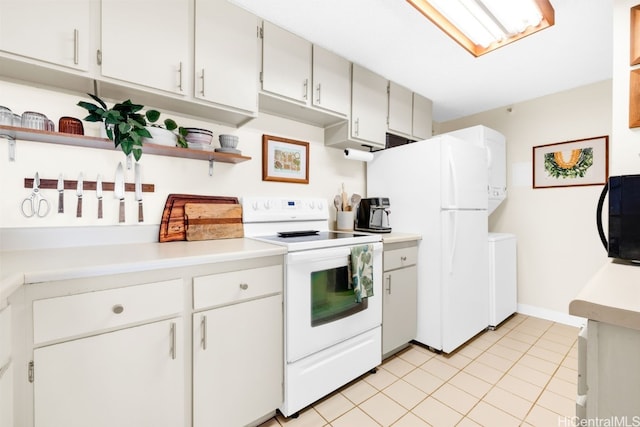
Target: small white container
{"x": 344, "y": 220}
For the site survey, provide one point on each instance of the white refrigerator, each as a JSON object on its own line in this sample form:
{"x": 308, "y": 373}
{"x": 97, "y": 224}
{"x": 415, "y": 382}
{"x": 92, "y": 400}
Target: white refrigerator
{"x": 438, "y": 188}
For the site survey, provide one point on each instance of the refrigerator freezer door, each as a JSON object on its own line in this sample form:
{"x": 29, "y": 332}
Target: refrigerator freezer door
{"x": 463, "y": 174}
{"x": 465, "y": 277}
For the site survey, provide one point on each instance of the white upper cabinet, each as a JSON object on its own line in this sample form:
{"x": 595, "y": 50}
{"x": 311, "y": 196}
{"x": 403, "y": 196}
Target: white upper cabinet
{"x": 286, "y": 64}
{"x": 331, "y": 81}
{"x": 47, "y": 30}
{"x": 368, "y": 106}
{"x": 146, "y": 42}
{"x": 400, "y": 109}
{"x": 226, "y": 55}
{"x": 422, "y": 117}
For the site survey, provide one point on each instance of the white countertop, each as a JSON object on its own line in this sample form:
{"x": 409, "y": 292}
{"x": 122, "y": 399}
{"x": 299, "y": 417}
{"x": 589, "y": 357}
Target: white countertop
{"x": 611, "y": 296}
{"x": 22, "y": 267}
{"x": 399, "y": 237}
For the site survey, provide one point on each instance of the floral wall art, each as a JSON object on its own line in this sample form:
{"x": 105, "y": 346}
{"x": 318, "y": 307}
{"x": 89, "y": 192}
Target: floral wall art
{"x": 570, "y": 163}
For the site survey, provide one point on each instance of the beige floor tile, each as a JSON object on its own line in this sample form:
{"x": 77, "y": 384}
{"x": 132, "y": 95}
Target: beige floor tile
{"x": 560, "y": 338}
{"x": 468, "y": 422}
{"x": 542, "y": 353}
{"x": 457, "y": 360}
{"x": 410, "y": 420}
{"x": 562, "y": 387}
{"x": 521, "y": 336}
{"x": 481, "y": 344}
{"x": 520, "y": 387}
{"x": 508, "y": 402}
{"x": 308, "y": 417}
{"x": 561, "y": 405}
{"x": 484, "y": 372}
{"x": 383, "y": 409}
{"x": 381, "y": 379}
{"x": 514, "y": 344}
{"x": 536, "y": 332}
{"x": 570, "y": 363}
{"x": 455, "y": 398}
{"x": 405, "y": 394}
{"x": 488, "y": 415}
{"x": 355, "y": 417}
{"x": 567, "y": 330}
{"x": 273, "y": 422}
{"x": 437, "y": 413}
{"x": 423, "y": 380}
{"x": 491, "y": 336}
{"x": 472, "y": 385}
{"x": 573, "y": 352}
{"x": 333, "y": 406}
{"x": 562, "y": 348}
{"x": 359, "y": 391}
{"x": 506, "y": 352}
{"x": 536, "y": 322}
{"x": 538, "y": 364}
{"x": 530, "y": 375}
{"x": 439, "y": 368}
{"x": 398, "y": 367}
{"x": 539, "y": 416}
{"x": 567, "y": 374}
{"x": 470, "y": 351}
{"x": 497, "y": 362}
{"x": 415, "y": 356}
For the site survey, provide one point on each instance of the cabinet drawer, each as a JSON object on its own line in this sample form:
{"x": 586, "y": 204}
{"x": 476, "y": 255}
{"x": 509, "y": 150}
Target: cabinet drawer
{"x": 398, "y": 258}
{"x": 5, "y": 335}
{"x": 226, "y": 288}
{"x": 61, "y": 317}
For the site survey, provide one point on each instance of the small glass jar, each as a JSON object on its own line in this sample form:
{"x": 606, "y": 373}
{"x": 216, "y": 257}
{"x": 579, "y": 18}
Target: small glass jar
{"x": 6, "y": 116}
{"x": 17, "y": 120}
{"x": 34, "y": 120}
{"x": 70, "y": 125}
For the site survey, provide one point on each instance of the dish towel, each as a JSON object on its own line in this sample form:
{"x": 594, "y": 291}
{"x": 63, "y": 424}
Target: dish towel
{"x": 362, "y": 271}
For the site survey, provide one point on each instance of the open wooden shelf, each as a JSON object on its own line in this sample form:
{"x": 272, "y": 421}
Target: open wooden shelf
{"x": 25, "y": 134}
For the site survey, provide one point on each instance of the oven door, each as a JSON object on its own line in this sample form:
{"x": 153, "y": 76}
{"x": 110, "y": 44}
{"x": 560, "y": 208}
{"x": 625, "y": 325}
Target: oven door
{"x": 320, "y": 307}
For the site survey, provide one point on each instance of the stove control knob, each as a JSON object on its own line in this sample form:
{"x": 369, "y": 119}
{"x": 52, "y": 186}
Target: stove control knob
{"x": 320, "y": 205}
{"x": 254, "y": 205}
{"x": 268, "y": 204}
{"x": 312, "y": 204}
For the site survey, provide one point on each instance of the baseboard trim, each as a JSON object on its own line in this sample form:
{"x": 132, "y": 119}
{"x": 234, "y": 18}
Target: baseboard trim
{"x": 554, "y": 316}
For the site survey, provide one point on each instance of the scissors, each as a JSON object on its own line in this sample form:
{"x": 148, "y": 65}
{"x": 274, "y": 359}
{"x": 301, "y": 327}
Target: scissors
{"x": 35, "y": 204}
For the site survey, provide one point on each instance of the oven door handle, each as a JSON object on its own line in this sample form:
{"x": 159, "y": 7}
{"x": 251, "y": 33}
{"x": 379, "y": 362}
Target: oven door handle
{"x": 325, "y": 254}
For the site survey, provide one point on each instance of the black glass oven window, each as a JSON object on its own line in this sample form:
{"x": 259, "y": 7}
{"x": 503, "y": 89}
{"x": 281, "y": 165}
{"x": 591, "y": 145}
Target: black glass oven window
{"x": 332, "y": 297}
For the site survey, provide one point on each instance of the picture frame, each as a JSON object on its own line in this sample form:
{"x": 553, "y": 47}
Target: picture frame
{"x": 579, "y": 162}
{"x": 634, "y": 34}
{"x": 285, "y": 160}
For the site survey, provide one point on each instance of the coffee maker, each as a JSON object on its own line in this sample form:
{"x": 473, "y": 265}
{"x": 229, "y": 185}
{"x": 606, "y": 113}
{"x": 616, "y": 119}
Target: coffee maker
{"x": 372, "y": 215}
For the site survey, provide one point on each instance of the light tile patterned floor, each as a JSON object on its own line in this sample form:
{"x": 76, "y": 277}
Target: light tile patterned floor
{"x": 522, "y": 374}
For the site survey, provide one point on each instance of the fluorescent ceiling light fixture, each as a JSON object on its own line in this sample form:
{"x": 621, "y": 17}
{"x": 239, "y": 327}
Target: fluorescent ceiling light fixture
{"x": 481, "y": 26}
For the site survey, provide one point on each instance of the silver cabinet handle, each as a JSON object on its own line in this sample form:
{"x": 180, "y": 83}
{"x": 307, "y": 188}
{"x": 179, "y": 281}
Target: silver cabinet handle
{"x": 305, "y": 88}
{"x": 318, "y": 90}
{"x": 180, "y": 77}
{"x": 389, "y": 282}
{"x": 76, "y": 39}
{"x": 202, "y": 78}
{"x": 172, "y": 349}
{"x": 244, "y": 286}
{"x": 117, "y": 309}
{"x": 403, "y": 258}
{"x": 357, "y": 126}
{"x": 203, "y": 332}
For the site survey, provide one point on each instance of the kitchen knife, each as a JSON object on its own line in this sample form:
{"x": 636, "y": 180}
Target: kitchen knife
{"x": 60, "y": 194}
{"x": 79, "y": 194}
{"x": 138, "y": 190}
{"x": 99, "y": 195}
{"x": 118, "y": 190}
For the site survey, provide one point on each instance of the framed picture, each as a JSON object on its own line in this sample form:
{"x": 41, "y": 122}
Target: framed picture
{"x": 564, "y": 164}
{"x": 285, "y": 160}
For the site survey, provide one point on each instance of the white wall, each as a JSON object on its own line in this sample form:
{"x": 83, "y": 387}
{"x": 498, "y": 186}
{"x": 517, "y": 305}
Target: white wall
{"x": 328, "y": 169}
{"x": 558, "y": 244}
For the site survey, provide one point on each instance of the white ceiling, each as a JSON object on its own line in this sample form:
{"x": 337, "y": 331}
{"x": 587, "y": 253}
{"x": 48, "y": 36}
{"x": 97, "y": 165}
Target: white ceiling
{"x": 393, "y": 39}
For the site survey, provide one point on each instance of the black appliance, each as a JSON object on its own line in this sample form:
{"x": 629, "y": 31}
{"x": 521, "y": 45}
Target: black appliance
{"x": 372, "y": 214}
{"x": 624, "y": 217}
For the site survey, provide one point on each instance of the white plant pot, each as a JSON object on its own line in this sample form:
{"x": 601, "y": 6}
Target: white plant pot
{"x": 160, "y": 137}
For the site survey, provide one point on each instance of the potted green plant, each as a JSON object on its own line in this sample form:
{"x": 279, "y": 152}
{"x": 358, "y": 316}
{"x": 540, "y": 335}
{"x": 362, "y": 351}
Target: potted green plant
{"x": 168, "y": 124}
{"x": 126, "y": 126}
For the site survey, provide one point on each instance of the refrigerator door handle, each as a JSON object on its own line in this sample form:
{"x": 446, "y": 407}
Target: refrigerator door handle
{"x": 453, "y": 202}
{"x": 454, "y": 239}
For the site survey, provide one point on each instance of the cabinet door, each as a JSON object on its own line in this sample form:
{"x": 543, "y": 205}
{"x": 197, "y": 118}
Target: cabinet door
{"x": 399, "y": 309}
{"x": 226, "y": 54}
{"x": 6, "y": 395}
{"x": 422, "y": 121}
{"x": 131, "y": 377}
{"x": 400, "y": 109}
{"x": 47, "y": 30}
{"x": 286, "y": 63}
{"x": 146, "y": 42}
{"x": 237, "y": 362}
{"x": 331, "y": 81}
{"x": 368, "y": 106}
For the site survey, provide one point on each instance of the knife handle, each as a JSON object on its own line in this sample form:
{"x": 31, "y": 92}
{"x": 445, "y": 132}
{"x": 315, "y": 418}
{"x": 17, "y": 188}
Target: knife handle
{"x": 121, "y": 213}
{"x": 79, "y": 210}
{"x": 140, "y": 214}
{"x": 99, "y": 208}
{"x": 60, "y": 202}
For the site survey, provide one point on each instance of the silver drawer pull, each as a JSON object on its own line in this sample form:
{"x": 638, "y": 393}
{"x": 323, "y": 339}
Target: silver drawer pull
{"x": 172, "y": 347}
{"x": 244, "y": 286}
{"x": 117, "y": 309}
{"x": 403, "y": 258}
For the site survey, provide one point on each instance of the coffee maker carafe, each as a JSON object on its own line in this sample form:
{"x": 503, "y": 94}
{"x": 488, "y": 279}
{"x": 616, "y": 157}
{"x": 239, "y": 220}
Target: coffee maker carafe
{"x": 373, "y": 215}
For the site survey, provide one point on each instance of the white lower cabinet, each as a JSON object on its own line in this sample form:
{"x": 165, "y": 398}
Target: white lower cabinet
{"x": 400, "y": 287}
{"x": 131, "y": 377}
